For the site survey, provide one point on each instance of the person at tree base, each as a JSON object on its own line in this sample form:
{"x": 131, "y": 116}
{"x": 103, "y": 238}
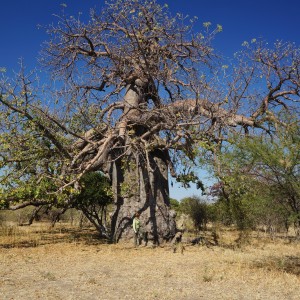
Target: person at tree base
{"x": 136, "y": 225}
{"x": 177, "y": 242}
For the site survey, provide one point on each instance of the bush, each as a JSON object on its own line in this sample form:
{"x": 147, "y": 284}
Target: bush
{"x": 197, "y": 209}
{"x": 175, "y": 205}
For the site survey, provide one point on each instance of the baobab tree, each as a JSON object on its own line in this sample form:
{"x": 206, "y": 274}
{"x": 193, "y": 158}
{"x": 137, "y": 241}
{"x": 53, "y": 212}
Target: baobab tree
{"x": 136, "y": 92}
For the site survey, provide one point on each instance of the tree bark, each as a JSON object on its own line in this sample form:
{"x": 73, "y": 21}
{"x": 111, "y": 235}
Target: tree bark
{"x": 140, "y": 182}
{"x": 138, "y": 188}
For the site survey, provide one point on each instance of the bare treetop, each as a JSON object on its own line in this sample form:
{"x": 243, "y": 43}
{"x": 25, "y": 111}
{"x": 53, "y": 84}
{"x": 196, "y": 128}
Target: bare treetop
{"x": 128, "y": 41}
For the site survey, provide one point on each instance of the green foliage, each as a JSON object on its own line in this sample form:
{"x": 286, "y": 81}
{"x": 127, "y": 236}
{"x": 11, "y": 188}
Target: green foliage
{"x": 261, "y": 178}
{"x": 187, "y": 178}
{"x": 30, "y": 163}
{"x": 197, "y": 209}
{"x": 96, "y": 190}
{"x": 175, "y": 204}
{"x": 93, "y": 200}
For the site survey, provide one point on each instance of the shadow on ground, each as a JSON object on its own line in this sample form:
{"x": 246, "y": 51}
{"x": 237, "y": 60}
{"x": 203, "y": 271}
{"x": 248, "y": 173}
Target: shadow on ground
{"x": 34, "y": 238}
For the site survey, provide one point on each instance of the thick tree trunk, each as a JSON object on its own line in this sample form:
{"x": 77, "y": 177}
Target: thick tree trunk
{"x": 140, "y": 181}
{"x": 137, "y": 189}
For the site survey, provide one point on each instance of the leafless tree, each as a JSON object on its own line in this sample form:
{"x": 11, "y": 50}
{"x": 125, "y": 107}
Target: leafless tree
{"x": 138, "y": 91}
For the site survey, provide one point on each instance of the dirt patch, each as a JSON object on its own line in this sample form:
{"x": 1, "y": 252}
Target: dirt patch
{"x": 289, "y": 264}
{"x": 82, "y": 268}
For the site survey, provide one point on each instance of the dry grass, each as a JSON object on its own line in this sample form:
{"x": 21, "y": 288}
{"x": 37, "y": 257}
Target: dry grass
{"x": 67, "y": 263}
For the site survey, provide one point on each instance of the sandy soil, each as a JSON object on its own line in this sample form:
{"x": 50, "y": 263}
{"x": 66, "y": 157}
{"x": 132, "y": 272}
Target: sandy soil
{"x": 80, "y": 271}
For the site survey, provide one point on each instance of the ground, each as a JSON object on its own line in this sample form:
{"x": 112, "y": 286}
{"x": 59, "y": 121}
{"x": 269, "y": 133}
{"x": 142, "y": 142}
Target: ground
{"x": 67, "y": 264}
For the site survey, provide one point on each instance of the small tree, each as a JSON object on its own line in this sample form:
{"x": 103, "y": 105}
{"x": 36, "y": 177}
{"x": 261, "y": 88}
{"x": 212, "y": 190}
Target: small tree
{"x": 175, "y": 205}
{"x": 197, "y": 209}
{"x": 94, "y": 199}
{"x": 260, "y": 180}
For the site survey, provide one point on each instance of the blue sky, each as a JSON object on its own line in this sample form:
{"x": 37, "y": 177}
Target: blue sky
{"x": 241, "y": 21}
